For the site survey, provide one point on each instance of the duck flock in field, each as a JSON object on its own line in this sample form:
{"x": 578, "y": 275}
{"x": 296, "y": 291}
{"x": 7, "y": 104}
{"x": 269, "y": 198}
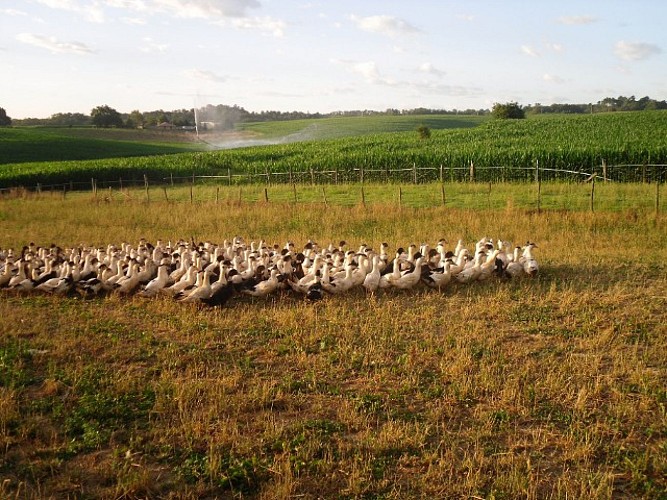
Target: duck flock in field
{"x": 210, "y": 274}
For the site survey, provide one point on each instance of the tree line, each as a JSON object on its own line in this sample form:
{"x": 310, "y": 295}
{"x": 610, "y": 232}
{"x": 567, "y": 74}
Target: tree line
{"x": 224, "y": 117}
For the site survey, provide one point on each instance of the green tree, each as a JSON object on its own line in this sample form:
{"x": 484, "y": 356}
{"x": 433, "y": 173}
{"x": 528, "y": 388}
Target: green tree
{"x": 424, "y": 132}
{"x": 135, "y": 120}
{"x": 105, "y": 117}
{"x": 5, "y": 120}
{"x": 508, "y": 110}
{"x": 69, "y": 120}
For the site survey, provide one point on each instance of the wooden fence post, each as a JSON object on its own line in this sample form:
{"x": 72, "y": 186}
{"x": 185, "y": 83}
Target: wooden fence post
{"x": 361, "y": 174}
{"x": 363, "y": 196}
{"x": 442, "y": 192}
{"x": 442, "y": 174}
{"x": 414, "y": 172}
{"x": 538, "y": 179}
{"x": 472, "y": 171}
{"x": 266, "y": 195}
{"x": 604, "y": 170}
{"x": 488, "y": 196}
{"x": 192, "y": 196}
{"x": 593, "y": 193}
{"x": 400, "y": 196}
{"x": 146, "y": 187}
{"x": 644, "y": 173}
{"x": 171, "y": 178}
{"x": 166, "y": 198}
{"x": 217, "y": 194}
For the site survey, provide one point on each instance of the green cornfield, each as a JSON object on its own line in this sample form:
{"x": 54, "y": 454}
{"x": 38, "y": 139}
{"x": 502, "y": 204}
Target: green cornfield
{"x": 496, "y": 151}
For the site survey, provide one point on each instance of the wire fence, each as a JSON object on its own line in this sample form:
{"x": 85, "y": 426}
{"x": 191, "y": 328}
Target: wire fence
{"x": 546, "y": 187}
{"x": 643, "y": 173}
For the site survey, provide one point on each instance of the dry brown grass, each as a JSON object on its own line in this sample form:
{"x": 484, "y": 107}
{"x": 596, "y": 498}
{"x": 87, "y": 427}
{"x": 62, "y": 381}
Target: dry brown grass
{"x": 546, "y": 388}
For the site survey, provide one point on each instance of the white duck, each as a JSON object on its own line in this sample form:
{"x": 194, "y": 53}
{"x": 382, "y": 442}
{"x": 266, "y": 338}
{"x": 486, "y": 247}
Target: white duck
{"x": 529, "y": 263}
{"x": 438, "y": 279}
{"x": 201, "y": 292}
{"x": 264, "y": 288}
{"x": 410, "y": 278}
{"x": 471, "y": 273}
{"x": 156, "y": 284}
{"x": 372, "y": 279}
{"x": 514, "y": 267}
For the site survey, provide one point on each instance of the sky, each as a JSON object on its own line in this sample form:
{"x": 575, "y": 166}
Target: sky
{"x": 70, "y": 56}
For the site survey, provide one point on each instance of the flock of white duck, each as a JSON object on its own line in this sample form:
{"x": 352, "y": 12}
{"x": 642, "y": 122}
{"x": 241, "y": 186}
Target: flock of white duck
{"x": 211, "y": 274}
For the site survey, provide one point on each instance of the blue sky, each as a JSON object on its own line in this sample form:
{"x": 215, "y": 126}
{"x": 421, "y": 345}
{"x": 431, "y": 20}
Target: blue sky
{"x": 73, "y": 55}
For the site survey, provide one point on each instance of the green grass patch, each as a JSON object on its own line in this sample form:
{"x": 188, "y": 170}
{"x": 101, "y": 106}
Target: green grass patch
{"x": 27, "y": 145}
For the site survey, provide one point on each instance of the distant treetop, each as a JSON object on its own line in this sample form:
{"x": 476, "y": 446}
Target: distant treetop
{"x": 5, "y": 120}
{"x": 508, "y": 110}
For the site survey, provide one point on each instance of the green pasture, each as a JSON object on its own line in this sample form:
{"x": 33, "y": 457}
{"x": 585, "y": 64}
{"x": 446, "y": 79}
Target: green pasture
{"x": 51, "y": 144}
{"x": 505, "y": 197}
{"x": 499, "y": 151}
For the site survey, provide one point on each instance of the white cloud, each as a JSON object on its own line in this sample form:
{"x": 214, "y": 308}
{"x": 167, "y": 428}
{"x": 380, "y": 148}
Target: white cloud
{"x": 368, "y": 70}
{"x": 200, "y": 74}
{"x": 548, "y": 77}
{"x": 137, "y": 5}
{"x": 466, "y": 17}
{"x": 577, "y": 20}
{"x": 53, "y": 44}
{"x": 265, "y": 25}
{"x": 385, "y": 25}
{"x": 91, "y": 11}
{"x": 530, "y": 51}
{"x": 133, "y": 20}
{"x": 427, "y": 67}
{"x": 372, "y": 75}
{"x": 150, "y": 46}
{"x": 205, "y": 9}
{"x": 12, "y": 12}
{"x": 635, "y": 51}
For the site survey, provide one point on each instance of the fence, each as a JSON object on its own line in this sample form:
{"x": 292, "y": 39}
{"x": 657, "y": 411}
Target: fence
{"x": 644, "y": 173}
{"x": 479, "y": 180}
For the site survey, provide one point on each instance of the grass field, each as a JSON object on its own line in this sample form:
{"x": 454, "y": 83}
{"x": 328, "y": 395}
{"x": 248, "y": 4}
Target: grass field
{"x": 544, "y": 388}
{"x": 500, "y": 150}
{"x": 52, "y": 144}
{"x": 349, "y": 126}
